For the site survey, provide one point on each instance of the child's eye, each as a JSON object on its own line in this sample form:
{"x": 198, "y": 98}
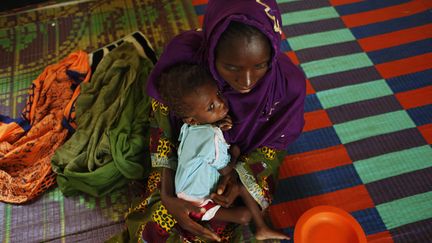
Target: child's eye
{"x": 211, "y": 107}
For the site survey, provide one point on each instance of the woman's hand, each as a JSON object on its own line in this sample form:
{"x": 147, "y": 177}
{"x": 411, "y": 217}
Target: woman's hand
{"x": 228, "y": 190}
{"x": 180, "y": 210}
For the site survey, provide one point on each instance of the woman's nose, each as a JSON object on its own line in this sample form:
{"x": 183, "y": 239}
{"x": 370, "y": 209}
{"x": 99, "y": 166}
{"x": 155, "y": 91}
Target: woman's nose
{"x": 246, "y": 79}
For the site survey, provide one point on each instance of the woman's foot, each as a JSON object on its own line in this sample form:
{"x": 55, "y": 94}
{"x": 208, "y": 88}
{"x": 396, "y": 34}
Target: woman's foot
{"x": 266, "y": 233}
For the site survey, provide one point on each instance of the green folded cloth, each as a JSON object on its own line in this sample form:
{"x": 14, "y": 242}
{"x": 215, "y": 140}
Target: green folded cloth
{"x": 110, "y": 144}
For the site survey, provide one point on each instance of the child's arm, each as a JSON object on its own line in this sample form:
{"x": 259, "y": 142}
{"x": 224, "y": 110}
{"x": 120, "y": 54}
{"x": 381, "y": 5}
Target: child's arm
{"x": 235, "y": 153}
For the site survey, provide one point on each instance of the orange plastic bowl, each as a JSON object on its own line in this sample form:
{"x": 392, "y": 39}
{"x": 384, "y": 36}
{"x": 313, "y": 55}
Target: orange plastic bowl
{"x": 327, "y": 224}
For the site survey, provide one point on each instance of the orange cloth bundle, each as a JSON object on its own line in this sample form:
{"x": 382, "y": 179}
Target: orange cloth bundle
{"x": 28, "y": 143}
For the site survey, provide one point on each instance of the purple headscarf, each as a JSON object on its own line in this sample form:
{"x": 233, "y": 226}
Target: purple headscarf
{"x": 271, "y": 114}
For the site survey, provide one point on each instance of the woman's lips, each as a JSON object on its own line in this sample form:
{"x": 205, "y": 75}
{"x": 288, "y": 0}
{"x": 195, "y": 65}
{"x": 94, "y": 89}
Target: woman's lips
{"x": 244, "y": 90}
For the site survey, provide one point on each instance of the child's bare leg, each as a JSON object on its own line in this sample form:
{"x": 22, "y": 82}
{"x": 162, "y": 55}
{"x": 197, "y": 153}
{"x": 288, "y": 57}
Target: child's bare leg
{"x": 263, "y": 232}
{"x": 238, "y": 215}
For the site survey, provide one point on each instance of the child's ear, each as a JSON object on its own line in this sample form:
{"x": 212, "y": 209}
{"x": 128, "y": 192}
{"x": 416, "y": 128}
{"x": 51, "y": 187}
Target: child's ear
{"x": 190, "y": 121}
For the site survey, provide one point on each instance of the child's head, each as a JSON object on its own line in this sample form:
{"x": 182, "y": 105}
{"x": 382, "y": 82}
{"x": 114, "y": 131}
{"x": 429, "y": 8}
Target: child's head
{"x": 192, "y": 94}
{"x": 242, "y": 56}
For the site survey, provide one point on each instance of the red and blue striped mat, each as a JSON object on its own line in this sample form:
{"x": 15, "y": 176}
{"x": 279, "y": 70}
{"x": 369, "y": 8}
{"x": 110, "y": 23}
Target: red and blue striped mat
{"x": 366, "y": 146}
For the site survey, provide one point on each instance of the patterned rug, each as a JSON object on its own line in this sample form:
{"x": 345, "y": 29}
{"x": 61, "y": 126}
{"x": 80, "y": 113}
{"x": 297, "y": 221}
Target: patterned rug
{"x": 35, "y": 36}
{"x": 366, "y": 146}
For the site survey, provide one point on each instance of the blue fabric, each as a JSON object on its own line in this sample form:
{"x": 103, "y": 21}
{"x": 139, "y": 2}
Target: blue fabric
{"x": 421, "y": 115}
{"x": 370, "y": 220}
{"x": 317, "y": 183}
{"x": 312, "y": 103}
{"x": 197, "y": 171}
{"x": 410, "y": 81}
{"x": 401, "y": 51}
{"x": 365, "y": 6}
{"x": 314, "y": 140}
{"x": 392, "y": 25}
{"x": 22, "y": 122}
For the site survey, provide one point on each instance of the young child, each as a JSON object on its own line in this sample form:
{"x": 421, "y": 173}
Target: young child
{"x": 192, "y": 94}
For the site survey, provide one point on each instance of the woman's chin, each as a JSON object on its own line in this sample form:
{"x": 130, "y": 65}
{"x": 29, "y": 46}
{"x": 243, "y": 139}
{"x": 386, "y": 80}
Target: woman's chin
{"x": 244, "y": 91}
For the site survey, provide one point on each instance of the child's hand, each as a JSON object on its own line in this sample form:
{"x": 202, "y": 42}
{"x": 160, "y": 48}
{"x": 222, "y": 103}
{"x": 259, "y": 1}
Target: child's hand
{"x": 225, "y": 124}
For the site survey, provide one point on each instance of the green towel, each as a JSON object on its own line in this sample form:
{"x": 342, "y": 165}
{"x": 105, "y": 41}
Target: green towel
{"x": 110, "y": 144}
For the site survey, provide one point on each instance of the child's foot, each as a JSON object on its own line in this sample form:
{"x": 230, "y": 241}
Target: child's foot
{"x": 266, "y": 233}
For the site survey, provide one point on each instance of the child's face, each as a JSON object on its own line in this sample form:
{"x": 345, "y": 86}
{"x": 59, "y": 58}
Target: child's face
{"x": 207, "y": 105}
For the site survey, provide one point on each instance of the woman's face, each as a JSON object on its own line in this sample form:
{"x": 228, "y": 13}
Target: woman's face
{"x": 243, "y": 61}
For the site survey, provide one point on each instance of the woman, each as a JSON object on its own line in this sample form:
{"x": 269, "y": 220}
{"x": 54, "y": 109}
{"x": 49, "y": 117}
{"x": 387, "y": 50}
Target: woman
{"x": 265, "y": 91}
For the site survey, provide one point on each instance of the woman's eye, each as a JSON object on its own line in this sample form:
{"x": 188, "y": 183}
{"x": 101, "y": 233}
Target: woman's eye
{"x": 261, "y": 66}
{"x": 231, "y": 68}
{"x": 211, "y": 107}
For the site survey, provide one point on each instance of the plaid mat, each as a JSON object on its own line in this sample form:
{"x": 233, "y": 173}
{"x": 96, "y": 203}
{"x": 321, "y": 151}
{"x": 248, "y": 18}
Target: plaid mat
{"x": 33, "y": 38}
{"x": 366, "y": 144}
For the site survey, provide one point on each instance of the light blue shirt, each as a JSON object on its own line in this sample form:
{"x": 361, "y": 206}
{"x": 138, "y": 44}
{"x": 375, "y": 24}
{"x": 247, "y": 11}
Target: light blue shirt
{"x": 202, "y": 152}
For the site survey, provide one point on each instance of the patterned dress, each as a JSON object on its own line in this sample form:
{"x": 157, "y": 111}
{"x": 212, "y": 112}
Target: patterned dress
{"x": 149, "y": 221}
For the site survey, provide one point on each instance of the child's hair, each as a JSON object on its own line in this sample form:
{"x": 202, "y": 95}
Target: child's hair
{"x": 237, "y": 29}
{"x": 179, "y": 81}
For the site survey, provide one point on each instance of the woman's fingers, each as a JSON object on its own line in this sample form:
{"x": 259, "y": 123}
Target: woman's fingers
{"x": 219, "y": 199}
{"x": 180, "y": 209}
{"x": 194, "y": 209}
{"x": 233, "y": 194}
{"x": 230, "y": 194}
{"x": 197, "y": 229}
{"x": 222, "y": 185}
{"x": 226, "y": 193}
{"x": 193, "y": 227}
{"x": 188, "y": 224}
